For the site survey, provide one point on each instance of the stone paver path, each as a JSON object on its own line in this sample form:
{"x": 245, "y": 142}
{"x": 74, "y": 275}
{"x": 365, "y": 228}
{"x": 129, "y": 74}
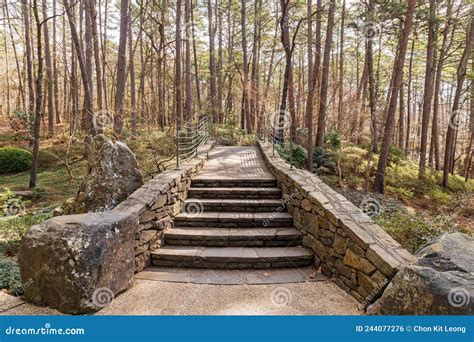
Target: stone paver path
{"x": 235, "y": 163}
{"x": 149, "y": 297}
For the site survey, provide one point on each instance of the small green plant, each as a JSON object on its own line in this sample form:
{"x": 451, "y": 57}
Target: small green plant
{"x": 294, "y": 153}
{"x": 12, "y": 229}
{"x": 411, "y": 231}
{"x": 13, "y": 159}
{"x": 10, "y": 277}
{"x": 396, "y": 155}
{"x": 323, "y": 159}
{"x": 333, "y": 140}
{"x": 19, "y": 120}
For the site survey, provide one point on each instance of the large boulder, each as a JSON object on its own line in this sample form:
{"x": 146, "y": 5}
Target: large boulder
{"x": 113, "y": 174}
{"x": 78, "y": 263}
{"x": 439, "y": 282}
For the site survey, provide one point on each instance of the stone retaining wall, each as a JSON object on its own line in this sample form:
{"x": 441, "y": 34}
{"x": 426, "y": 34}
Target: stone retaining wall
{"x": 357, "y": 253}
{"x": 156, "y": 203}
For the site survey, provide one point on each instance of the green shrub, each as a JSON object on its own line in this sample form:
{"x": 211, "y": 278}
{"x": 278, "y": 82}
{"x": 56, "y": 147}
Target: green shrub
{"x": 411, "y": 231}
{"x": 396, "y": 155}
{"x": 47, "y": 159}
{"x": 13, "y": 228}
{"x": 353, "y": 161}
{"x": 323, "y": 158}
{"x": 333, "y": 140}
{"x": 10, "y": 277}
{"x": 19, "y": 120}
{"x": 295, "y": 154}
{"x": 13, "y": 159}
{"x": 440, "y": 196}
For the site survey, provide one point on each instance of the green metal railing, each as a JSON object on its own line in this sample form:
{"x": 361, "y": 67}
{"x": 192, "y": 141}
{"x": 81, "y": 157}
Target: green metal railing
{"x": 190, "y": 135}
{"x": 277, "y": 135}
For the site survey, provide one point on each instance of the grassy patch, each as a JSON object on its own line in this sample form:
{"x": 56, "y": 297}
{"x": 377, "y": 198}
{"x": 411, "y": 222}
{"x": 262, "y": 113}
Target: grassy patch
{"x": 54, "y": 185}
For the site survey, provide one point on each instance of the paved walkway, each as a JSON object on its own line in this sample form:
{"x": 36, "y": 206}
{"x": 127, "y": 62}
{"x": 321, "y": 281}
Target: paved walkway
{"x": 150, "y": 297}
{"x": 235, "y": 163}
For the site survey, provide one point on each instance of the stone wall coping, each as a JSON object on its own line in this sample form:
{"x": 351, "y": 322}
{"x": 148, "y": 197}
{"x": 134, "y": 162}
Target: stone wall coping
{"x": 360, "y": 227}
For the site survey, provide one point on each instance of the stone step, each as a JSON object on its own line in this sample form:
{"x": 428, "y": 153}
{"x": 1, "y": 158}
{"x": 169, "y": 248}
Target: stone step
{"x": 235, "y": 193}
{"x": 234, "y": 205}
{"x": 223, "y": 237}
{"x": 232, "y": 257}
{"x": 218, "y": 182}
{"x": 233, "y": 220}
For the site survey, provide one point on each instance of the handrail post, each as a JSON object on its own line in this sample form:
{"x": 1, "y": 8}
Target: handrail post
{"x": 273, "y": 140}
{"x": 177, "y": 143}
{"x": 291, "y": 153}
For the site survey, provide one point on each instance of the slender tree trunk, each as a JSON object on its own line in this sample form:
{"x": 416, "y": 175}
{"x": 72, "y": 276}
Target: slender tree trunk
{"x": 428, "y": 91}
{"x": 220, "y": 56}
{"x": 196, "y": 64}
{"x": 177, "y": 68}
{"x": 397, "y": 82}
{"x": 409, "y": 98}
{"x": 212, "y": 61}
{"x": 133, "y": 97}
{"x": 95, "y": 41}
{"x": 89, "y": 51}
{"x": 187, "y": 72}
{"x": 39, "y": 97}
{"x": 29, "y": 64}
{"x": 401, "y": 117}
{"x": 312, "y": 88}
{"x": 49, "y": 72}
{"x": 55, "y": 68}
{"x": 437, "y": 85}
{"x": 88, "y": 108}
{"x": 7, "y": 65}
{"x": 121, "y": 68}
{"x": 460, "y": 77}
{"x": 246, "y": 91}
{"x": 341, "y": 69}
{"x": 15, "y": 54}
{"x": 323, "y": 99}
{"x": 372, "y": 85}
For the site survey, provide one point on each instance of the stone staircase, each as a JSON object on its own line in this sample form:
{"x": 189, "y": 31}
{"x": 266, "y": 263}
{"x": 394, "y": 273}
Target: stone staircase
{"x": 233, "y": 223}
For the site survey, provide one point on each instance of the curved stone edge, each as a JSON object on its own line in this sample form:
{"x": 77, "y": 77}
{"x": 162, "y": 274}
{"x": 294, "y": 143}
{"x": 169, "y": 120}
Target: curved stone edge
{"x": 357, "y": 253}
{"x": 79, "y": 263}
{"x": 157, "y": 202}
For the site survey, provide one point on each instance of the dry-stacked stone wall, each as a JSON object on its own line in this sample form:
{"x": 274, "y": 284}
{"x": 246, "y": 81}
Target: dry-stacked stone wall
{"x": 357, "y": 253}
{"x": 157, "y": 202}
